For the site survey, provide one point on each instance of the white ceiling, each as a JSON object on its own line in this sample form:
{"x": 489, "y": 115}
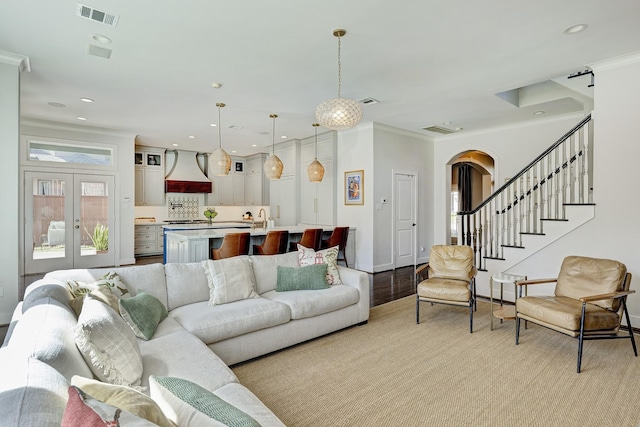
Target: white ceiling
{"x": 427, "y": 62}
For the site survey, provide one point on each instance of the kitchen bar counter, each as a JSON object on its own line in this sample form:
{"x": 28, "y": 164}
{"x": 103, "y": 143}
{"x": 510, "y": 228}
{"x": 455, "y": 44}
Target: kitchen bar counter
{"x": 194, "y": 245}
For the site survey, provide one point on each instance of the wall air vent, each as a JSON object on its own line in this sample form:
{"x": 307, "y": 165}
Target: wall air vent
{"x": 368, "y": 101}
{"x": 97, "y": 15}
{"x": 440, "y": 129}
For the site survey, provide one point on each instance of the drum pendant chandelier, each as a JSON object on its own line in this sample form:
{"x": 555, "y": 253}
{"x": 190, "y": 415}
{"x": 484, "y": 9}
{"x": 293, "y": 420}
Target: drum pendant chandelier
{"x": 219, "y": 160}
{"x": 339, "y": 113}
{"x": 315, "y": 171}
{"x": 273, "y": 165}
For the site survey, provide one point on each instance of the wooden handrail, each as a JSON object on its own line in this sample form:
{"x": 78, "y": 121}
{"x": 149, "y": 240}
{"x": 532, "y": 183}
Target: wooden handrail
{"x": 530, "y": 165}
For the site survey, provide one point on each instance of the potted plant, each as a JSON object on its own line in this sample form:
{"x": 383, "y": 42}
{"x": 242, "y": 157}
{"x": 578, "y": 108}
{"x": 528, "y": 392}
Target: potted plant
{"x": 210, "y": 214}
{"x": 100, "y": 238}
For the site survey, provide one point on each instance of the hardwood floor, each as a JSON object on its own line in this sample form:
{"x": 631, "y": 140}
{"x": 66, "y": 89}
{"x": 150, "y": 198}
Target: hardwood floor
{"x": 391, "y": 285}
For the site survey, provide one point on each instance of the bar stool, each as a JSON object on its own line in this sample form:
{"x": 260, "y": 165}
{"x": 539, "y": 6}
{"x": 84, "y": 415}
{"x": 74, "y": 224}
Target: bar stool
{"x": 338, "y": 238}
{"x": 233, "y": 244}
{"x": 274, "y": 243}
{"x": 311, "y": 238}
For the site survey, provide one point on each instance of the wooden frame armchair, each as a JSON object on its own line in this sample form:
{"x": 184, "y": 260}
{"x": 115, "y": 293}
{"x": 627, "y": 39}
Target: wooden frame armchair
{"x": 589, "y": 301}
{"x": 450, "y": 279}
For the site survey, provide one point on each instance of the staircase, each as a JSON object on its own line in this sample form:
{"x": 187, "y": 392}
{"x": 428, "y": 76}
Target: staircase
{"x": 549, "y": 198}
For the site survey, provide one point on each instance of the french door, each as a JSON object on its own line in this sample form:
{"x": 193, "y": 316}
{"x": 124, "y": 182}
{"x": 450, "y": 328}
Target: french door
{"x": 68, "y": 219}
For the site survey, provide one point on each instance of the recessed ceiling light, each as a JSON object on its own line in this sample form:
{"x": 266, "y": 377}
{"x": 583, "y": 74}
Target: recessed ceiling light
{"x": 175, "y": 145}
{"x": 233, "y": 151}
{"x": 81, "y": 118}
{"x": 538, "y": 113}
{"x": 192, "y": 137}
{"x": 254, "y": 145}
{"x": 101, "y": 38}
{"x": 89, "y": 100}
{"x": 216, "y": 85}
{"x": 213, "y": 124}
{"x": 573, "y": 29}
{"x": 283, "y": 137}
{"x": 56, "y": 104}
{"x": 447, "y": 123}
{"x": 459, "y": 129}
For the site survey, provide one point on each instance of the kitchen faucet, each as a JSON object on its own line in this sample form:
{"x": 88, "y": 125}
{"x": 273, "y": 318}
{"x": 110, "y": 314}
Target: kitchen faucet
{"x": 264, "y": 219}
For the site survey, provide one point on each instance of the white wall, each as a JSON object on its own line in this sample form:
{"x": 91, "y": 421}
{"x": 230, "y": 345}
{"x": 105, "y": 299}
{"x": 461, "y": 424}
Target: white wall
{"x": 399, "y": 150}
{"x": 124, "y": 175}
{"x": 613, "y": 232}
{"x": 355, "y": 152}
{"x": 10, "y": 69}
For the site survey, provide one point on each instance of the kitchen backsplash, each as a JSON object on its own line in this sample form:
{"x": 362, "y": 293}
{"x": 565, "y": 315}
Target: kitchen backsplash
{"x": 183, "y": 207}
{"x": 225, "y": 213}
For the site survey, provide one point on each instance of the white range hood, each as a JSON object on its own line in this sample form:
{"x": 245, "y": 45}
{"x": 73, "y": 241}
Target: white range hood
{"x": 185, "y": 174}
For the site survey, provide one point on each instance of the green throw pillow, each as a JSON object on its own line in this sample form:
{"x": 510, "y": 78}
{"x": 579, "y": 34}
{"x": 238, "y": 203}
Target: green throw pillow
{"x": 182, "y": 397}
{"x": 311, "y": 277}
{"x": 143, "y": 313}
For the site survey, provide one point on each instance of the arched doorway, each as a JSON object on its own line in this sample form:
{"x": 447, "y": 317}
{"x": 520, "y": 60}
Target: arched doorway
{"x": 472, "y": 181}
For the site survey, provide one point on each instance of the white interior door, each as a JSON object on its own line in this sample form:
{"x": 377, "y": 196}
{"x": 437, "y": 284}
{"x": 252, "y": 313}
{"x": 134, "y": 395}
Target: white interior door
{"x": 404, "y": 210}
{"x": 67, "y": 221}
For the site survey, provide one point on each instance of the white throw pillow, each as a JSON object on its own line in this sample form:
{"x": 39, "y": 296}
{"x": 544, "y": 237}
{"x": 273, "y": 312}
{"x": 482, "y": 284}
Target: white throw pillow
{"x": 307, "y": 256}
{"x": 108, "y": 344}
{"x": 230, "y": 279}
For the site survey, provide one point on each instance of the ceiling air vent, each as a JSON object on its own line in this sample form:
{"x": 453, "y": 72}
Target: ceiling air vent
{"x": 99, "y": 51}
{"x": 368, "y": 101}
{"x": 440, "y": 129}
{"x": 97, "y": 15}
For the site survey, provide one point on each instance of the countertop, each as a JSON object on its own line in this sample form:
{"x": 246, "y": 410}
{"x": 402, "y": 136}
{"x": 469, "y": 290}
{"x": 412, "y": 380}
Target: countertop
{"x": 216, "y": 233}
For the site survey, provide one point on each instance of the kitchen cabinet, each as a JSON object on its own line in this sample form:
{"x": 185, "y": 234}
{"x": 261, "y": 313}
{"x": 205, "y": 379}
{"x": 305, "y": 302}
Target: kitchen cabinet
{"x": 256, "y": 190}
{"x": 318, "y": 199}
{"x": 228, "y": 190}
{"x": 284, "y": 201}
{"x": 283, "y": 194}
{"x": 149, "y": 176}
{"x": 179, "y": 250}
{"x": 148, "y": 240}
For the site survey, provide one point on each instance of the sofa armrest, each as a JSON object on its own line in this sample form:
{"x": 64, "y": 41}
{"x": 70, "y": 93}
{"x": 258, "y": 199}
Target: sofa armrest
{"x": 359, "y": 280}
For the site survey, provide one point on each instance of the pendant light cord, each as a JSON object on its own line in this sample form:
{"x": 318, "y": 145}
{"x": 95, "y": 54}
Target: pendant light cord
{"x": 339, "y": 68}
{"x": 219, "y": 105}
{"x": 273, "y": 133}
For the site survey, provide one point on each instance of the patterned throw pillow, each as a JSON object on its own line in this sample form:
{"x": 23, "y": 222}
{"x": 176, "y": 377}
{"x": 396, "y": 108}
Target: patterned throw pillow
{"x": 124, "y": 398}
{"x": 84, "y": 411}
{"x": 186, "y": 403}
{"x": 307, "y": 256}
{"x": 111, "y": 280}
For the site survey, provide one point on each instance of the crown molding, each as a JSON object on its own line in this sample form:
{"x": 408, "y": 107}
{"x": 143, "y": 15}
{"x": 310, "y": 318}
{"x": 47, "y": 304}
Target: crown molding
{"x": 20, "y": 61}
{"x": 618, "y": 61}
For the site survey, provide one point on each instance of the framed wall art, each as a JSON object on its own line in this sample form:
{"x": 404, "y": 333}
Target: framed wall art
{"x": 354, "y": 187}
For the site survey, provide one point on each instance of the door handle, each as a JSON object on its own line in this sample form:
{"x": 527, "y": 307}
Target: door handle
{"x": 413, "y": 225}
{"x": 76, "y": 227}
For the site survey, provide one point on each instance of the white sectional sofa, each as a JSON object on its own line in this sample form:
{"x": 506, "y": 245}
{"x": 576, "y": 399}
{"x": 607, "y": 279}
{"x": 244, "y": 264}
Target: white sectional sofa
{"x": 196, "y": 341}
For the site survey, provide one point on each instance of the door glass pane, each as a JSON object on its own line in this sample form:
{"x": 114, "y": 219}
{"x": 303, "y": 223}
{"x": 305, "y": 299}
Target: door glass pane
{"x": 48, "y": 218}
{"x": 94, "y": 217}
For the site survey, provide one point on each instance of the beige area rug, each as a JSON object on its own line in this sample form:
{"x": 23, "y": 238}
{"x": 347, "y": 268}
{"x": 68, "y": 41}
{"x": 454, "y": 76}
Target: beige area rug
{"x": 392, "y": 372}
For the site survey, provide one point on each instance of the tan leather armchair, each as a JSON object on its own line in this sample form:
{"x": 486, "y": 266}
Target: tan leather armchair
{"x": 450, "y": 279}
{"x": 233, "y": 244}
{"x": 588, "y": 303}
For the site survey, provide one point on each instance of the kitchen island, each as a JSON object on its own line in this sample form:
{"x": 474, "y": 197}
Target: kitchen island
{"x": 194, "y": 245}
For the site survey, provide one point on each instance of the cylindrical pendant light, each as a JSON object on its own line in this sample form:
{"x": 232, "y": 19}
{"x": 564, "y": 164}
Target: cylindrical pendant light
{"x": 273, "y": 165}
{"x": 315, "y": 171}
{"x": 219, "y": 160}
